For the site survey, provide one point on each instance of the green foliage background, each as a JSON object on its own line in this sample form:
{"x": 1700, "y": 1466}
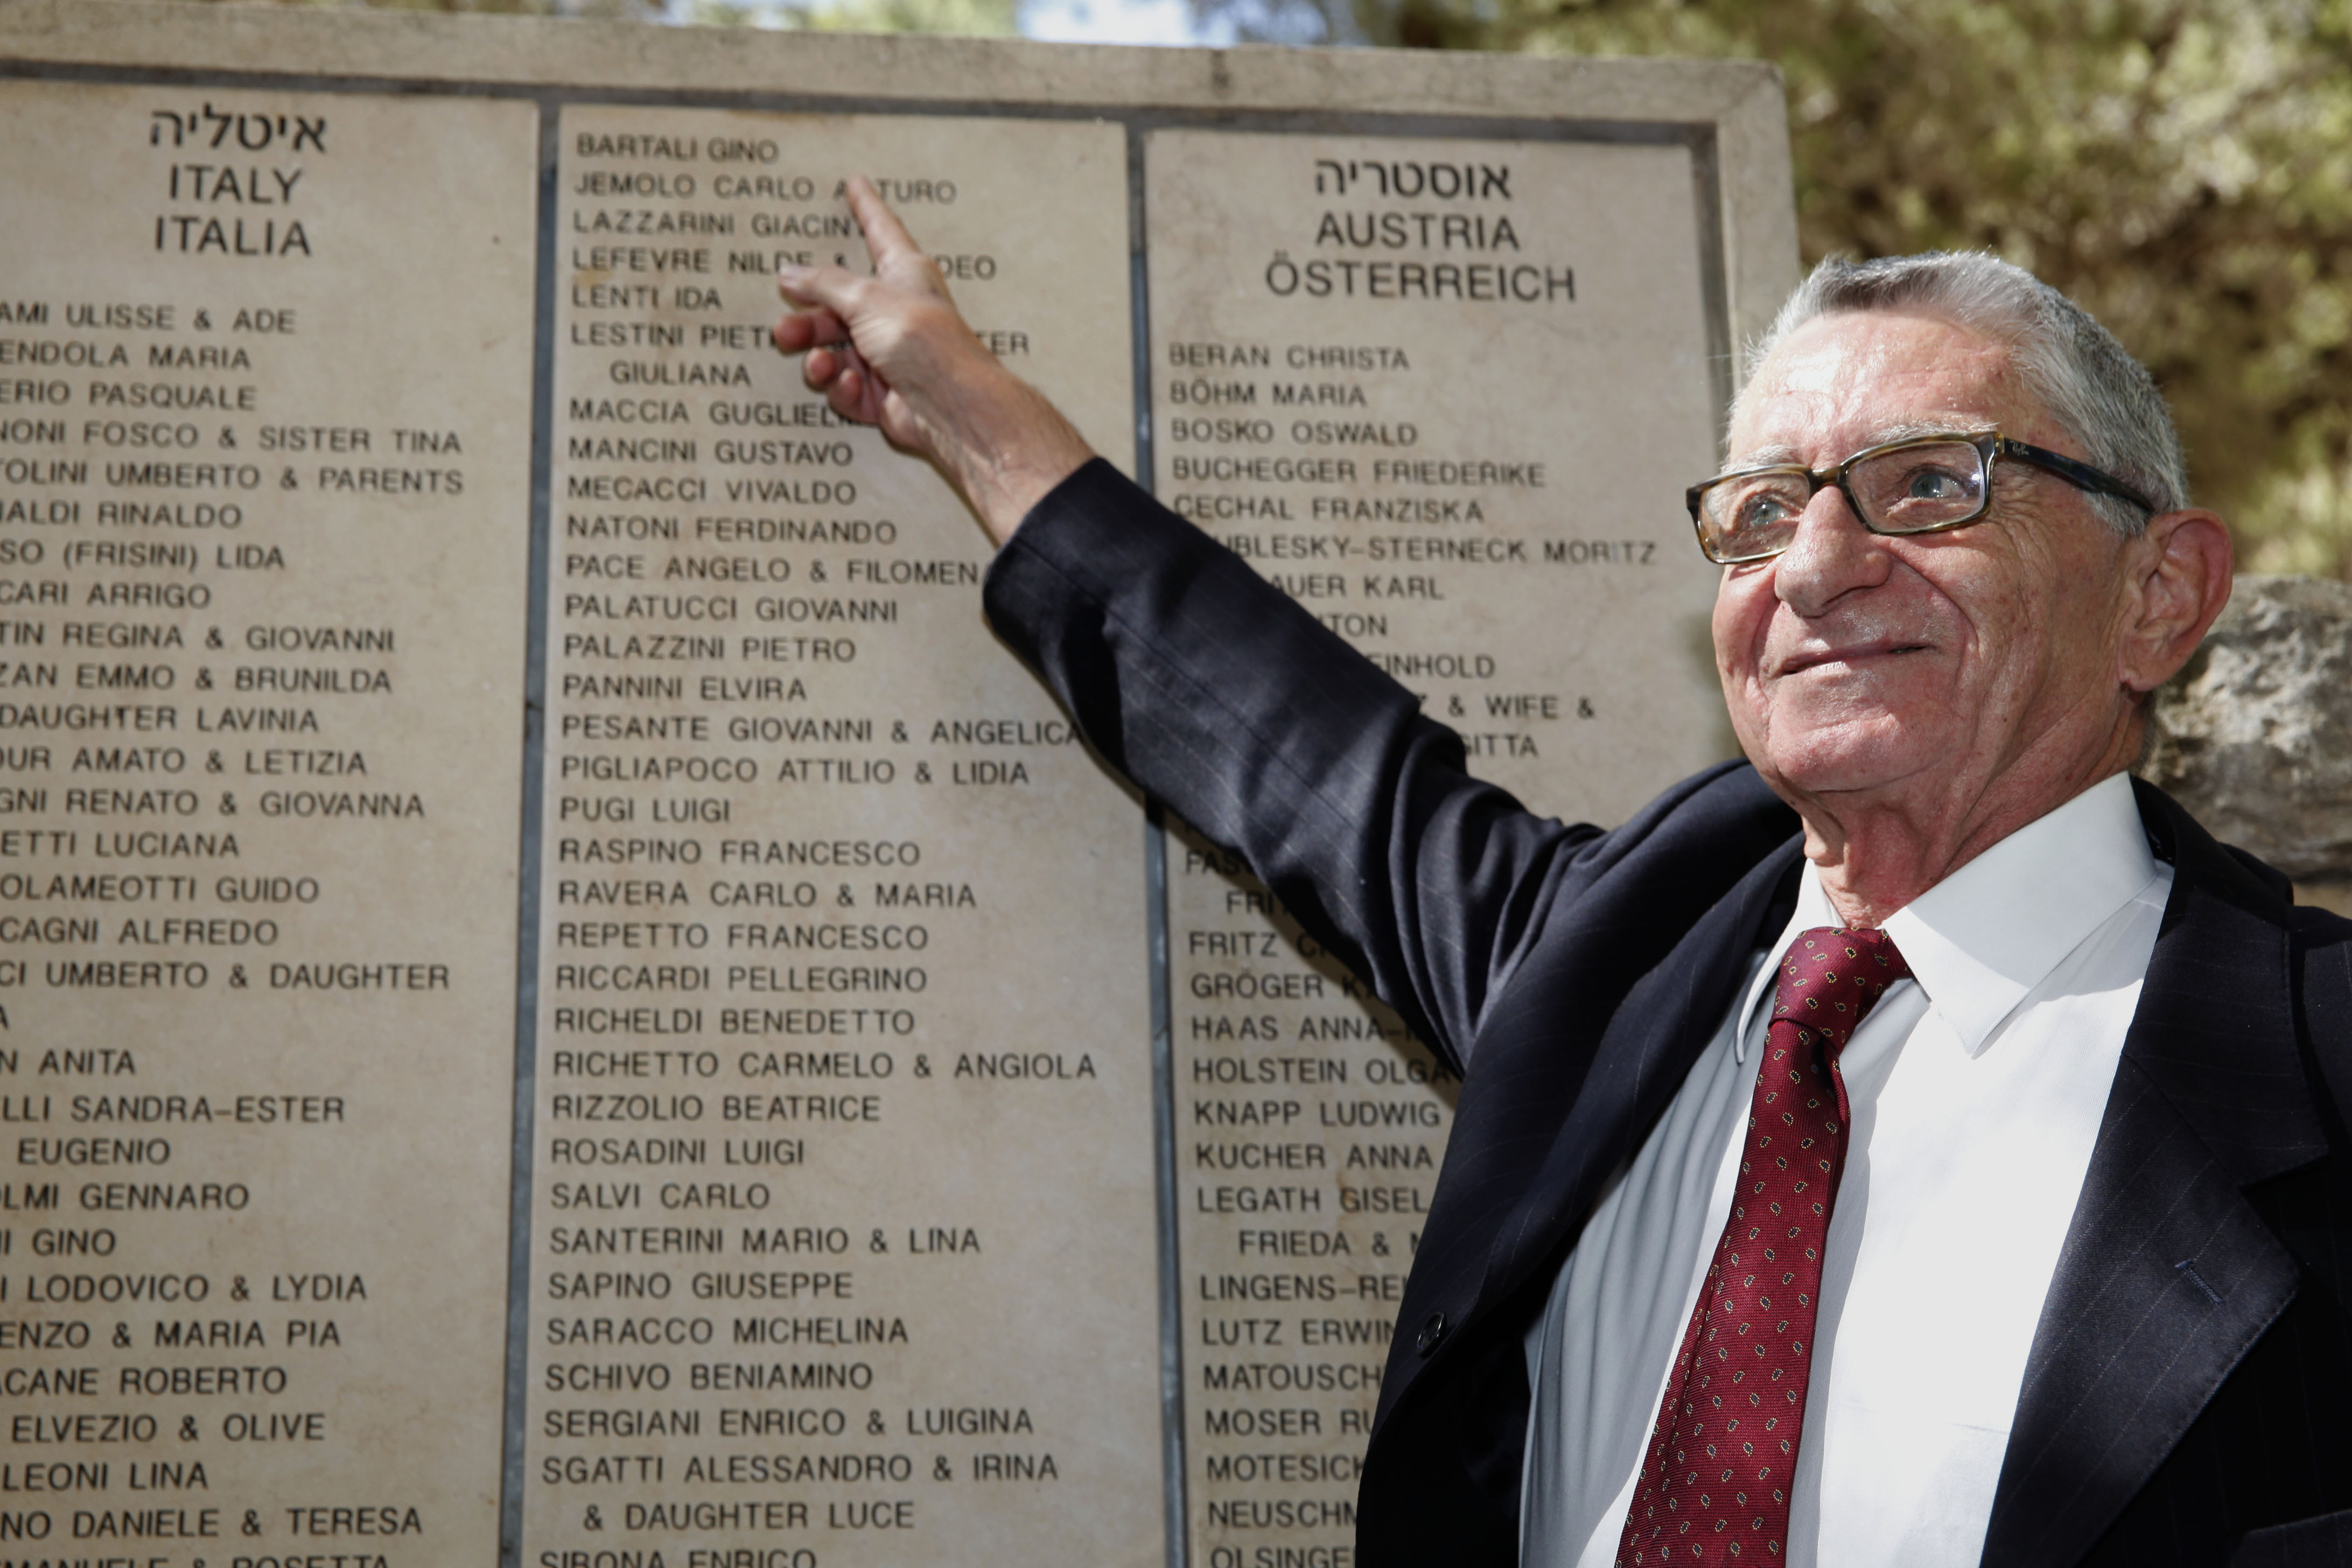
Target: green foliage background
{"x": 2183, "y": 168}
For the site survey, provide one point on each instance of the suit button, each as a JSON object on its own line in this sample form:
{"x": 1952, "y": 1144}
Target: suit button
{"x": 1432, "y": 1334}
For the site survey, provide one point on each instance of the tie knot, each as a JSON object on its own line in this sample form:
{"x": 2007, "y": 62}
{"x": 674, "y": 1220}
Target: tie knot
{"x": 1831, "y": 977}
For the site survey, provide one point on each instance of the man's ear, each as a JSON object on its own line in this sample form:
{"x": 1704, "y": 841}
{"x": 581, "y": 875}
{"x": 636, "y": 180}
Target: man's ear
{"x": 2177, "y": 582}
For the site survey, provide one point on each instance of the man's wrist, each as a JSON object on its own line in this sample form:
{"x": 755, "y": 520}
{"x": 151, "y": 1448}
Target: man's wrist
{"x": 1014, "y": 453}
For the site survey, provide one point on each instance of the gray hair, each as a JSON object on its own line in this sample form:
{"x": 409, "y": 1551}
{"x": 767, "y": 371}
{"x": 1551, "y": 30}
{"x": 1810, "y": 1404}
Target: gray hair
{"x": 2072, "y": 365}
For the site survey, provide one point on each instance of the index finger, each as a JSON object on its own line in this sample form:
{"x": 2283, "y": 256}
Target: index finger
{"x": 886, "y": 236}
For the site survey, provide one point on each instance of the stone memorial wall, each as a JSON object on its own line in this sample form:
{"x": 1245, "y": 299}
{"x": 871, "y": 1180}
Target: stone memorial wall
{"x": 264, "y": 587}
{"x": 561, "y": 1000}
{"x": 846, "y": 975}
{"x": 1360, "y": 390}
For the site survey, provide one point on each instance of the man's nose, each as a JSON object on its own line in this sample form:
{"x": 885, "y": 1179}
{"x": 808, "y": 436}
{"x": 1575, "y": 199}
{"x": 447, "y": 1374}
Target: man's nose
{"x": 1832, "y": 556}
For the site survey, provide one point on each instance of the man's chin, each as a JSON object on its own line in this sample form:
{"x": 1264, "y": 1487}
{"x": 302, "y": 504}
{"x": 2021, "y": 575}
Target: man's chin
{"x": 1845, "y": 758}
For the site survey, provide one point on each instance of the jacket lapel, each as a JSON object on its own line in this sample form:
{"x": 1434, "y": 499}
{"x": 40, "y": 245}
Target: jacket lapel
{"x": 1666, "y": 1020}
{"x": 1490, "y": 1226}
{"x": 2168, "y": 1276}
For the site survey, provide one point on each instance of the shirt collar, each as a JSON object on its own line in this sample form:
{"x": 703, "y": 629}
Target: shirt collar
{"x": 1979, "y": 940}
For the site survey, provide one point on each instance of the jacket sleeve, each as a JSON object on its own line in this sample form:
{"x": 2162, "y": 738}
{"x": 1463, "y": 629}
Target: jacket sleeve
{"x": 1216, "y": 694}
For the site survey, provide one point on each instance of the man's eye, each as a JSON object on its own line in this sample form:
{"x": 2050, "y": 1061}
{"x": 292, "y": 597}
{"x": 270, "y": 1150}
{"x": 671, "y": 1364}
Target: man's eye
{"x": 1761, "y": 509}
{"x": 1937, "y": 484}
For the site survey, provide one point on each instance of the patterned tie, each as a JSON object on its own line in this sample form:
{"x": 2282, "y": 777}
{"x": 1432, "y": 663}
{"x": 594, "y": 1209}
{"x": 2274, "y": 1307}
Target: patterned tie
{"x": 1714, "y": 1487}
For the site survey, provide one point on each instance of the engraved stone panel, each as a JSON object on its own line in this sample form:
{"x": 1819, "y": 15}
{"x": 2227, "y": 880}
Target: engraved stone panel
{"x": 265, "y": 443}
{"x": 844, "y": 1239}
{"x": 1445, "y": 394}
{"x": 845, "y": 1244}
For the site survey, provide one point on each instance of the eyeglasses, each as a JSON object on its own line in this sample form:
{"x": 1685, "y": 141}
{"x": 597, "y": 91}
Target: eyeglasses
{"x": 1923, "y": 485}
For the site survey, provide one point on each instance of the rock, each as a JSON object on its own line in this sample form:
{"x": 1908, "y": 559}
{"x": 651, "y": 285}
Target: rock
{"x": 2255, "y": 737}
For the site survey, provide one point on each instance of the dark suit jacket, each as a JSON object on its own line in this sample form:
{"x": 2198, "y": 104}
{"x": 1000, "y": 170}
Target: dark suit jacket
{"x": 2190, "y": 1381}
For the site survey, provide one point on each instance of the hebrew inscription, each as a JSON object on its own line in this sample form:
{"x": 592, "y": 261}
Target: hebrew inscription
{"x": 1395, "y": 385}
{"x": 264, "y": 447}
{"x": 844, "y": 1226}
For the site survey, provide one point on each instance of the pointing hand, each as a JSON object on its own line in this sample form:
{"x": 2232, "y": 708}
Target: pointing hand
{"x": 891, "y": 350}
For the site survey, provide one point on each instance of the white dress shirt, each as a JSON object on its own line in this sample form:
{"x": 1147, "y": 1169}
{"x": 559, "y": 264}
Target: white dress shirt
{"x": 1976, "y": 1095}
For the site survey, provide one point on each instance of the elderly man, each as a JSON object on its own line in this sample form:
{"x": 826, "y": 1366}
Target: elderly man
{"x": 1915, "y": 1144}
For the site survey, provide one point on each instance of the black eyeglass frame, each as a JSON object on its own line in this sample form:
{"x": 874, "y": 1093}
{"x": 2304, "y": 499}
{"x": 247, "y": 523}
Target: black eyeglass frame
{"x": 1990, "y": 445}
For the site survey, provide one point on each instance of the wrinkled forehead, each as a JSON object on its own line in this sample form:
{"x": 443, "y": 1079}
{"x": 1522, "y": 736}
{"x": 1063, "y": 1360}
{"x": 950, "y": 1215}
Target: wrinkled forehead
{"x": 1855, "y": 379}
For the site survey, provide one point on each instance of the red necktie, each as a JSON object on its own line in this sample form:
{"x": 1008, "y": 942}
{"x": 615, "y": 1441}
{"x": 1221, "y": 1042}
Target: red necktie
{"x": 1714, "y": 1487}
